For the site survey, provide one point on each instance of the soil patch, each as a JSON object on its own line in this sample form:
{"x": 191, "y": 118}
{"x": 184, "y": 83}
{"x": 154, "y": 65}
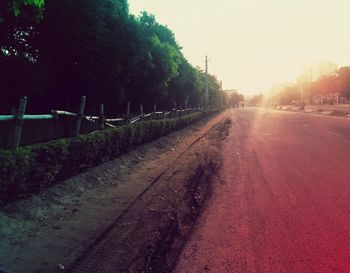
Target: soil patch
{"x": 132, "y": 195}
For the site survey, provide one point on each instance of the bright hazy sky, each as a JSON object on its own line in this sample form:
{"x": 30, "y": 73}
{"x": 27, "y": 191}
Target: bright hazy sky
{"x": 256, "y": 44}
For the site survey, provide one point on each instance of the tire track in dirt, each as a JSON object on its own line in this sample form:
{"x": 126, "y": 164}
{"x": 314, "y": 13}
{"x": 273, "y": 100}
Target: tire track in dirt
{"x": 119, "y": 234}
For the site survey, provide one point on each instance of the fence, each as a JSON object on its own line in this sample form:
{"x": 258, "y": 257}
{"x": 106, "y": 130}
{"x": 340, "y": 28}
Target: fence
{"x": 20, "y": 129}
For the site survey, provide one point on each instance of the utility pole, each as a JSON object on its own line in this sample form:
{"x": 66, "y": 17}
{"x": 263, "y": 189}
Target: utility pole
{"x": 302, "y": 96}
{"x": 221, "y": 95}
{"x": 206, "y": 83}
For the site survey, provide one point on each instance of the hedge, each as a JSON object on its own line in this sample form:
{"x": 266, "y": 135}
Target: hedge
{"x": 33, "y": 168}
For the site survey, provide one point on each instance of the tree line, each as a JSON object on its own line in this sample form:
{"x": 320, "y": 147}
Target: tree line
{"x": 332, "y": 86}
{"x": 328, "y": 88}
{"x": 56, "y": 51}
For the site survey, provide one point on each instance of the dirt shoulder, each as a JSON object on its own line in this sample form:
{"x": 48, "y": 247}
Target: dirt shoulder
{"x": 116, "y": 214}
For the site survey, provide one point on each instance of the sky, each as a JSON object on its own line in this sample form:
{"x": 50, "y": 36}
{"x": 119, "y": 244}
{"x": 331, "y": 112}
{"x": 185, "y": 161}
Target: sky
{"x": 254, "y": 45}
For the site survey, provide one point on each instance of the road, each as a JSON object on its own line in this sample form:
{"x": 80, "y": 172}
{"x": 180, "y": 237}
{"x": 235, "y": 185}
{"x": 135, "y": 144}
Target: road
{"x": 282, "y": 198}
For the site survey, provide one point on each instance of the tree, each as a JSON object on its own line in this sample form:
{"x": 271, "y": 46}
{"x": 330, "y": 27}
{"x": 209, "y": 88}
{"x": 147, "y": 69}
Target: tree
{"x": 18, "y": 56}
{"x": 84, "y": 48}
{"x": 236, "y": 98}
{"x": 256, "y": 99}
{"x": 288, "y": 94}
{"x": 344, "y": 79}
{"x": 93, "y": 48}
{"x": 214, "y": 90}
{"x": 25, "y": 8}
{"x": 187, "y": 87}
{"x": 159, "y": 58}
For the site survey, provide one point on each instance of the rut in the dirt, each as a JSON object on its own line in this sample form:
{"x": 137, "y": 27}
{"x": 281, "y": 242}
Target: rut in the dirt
{"x": 57, "y": 226}
{"x": 151, "y": 233}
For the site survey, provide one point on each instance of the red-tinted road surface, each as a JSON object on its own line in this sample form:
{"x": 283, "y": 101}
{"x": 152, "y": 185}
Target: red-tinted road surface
{"x": 281, "y": 202}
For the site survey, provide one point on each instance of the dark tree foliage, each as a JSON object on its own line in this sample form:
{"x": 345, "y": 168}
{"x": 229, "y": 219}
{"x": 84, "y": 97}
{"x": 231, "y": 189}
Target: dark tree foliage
{"x": 18, "y": 56}
{"x": 214, "y": 91}
{"x": 25, "y": 8}
{"x": 56, "y": 51}
{"x": 188, "y": 87}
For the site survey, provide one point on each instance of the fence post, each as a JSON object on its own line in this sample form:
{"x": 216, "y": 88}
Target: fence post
{"x": 127, "y": 120}
{"x": 174, "y": 112}
{"x": 185, "y": 107}
{"x": 141, "y": 111}
{"x": 102, "y": 117}
{"x": 19, "y": 122}
{"x": 180, "y": 110}
{"x": 80, "y": 115}
{"x": 154, "y": 111}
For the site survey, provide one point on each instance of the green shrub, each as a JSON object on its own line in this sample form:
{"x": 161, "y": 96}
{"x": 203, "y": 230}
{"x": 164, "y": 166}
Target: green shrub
{"x": 33, "y": 168}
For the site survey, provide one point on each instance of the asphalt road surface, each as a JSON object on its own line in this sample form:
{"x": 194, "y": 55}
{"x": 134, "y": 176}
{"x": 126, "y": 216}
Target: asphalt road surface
{"x": 281, "y": 201}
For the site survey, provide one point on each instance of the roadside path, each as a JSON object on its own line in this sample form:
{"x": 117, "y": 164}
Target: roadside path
{"x": 52, "y": 229}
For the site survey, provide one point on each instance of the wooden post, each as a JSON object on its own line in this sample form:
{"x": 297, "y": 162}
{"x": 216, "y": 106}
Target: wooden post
{"x": 102, "y": 117}
{"x": 19, "y": 122}
{"x": 141, "y": 111}
{"x": 127, "y": 120}
{"x": 186, "y": 107}
{"x": 175, "y": 110}
{"x": 154, "y": 111}
{"x": 80, "y": 115}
